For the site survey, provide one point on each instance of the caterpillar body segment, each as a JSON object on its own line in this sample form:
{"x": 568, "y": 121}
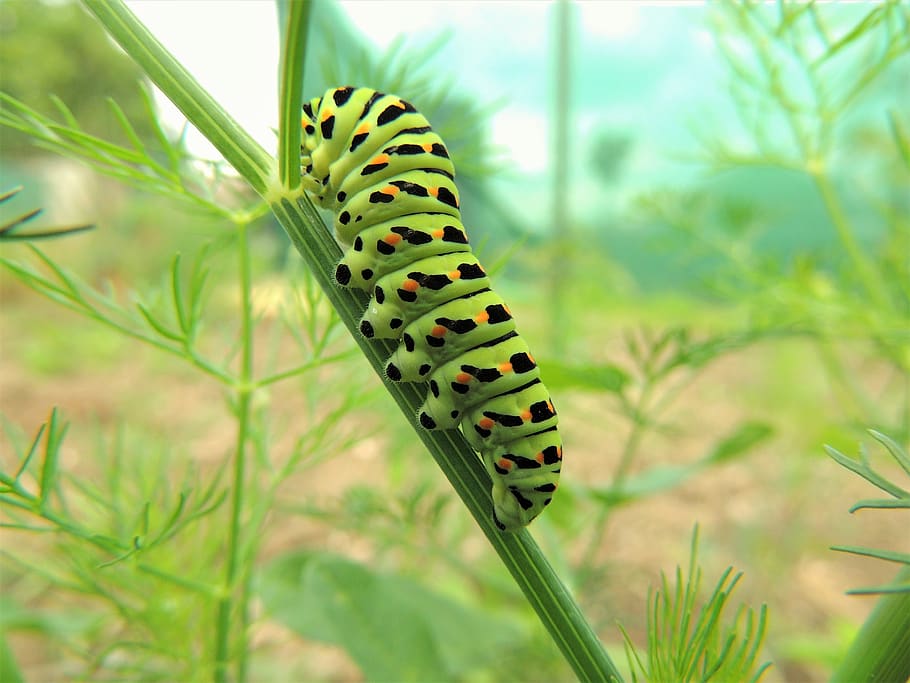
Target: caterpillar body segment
{"x": 471, "y": 380}
{"x": 517, "y": 414}
{"x": 409, "y": 192}
{"x": 328, "y": 142}
{"x": 375, "y": 162}
{"x": 392, "y": 245}
{"x": 448, "y": 331}
{"x": 404, "y": 295}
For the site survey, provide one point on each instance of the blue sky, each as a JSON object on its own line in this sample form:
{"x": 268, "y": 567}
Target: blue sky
{"x": 640, "y": 68}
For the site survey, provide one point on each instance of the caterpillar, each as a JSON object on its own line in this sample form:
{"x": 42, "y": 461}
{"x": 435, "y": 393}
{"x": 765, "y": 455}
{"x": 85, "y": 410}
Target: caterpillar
{"x": 374, "y": 161}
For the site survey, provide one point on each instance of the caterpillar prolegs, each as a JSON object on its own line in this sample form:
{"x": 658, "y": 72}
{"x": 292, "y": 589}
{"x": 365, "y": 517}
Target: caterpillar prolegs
{"x": 374, "y": 161}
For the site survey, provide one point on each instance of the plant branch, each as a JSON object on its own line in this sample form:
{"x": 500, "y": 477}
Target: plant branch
{"x": 235, "y": 145}
{"x": 244, "y": 389}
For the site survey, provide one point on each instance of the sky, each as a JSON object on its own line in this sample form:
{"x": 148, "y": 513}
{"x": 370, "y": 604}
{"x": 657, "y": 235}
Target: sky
{"x": 634, "y": 64}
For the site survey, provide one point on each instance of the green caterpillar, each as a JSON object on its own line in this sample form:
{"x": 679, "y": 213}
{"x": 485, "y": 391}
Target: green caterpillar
{"x": 374, "y": 161}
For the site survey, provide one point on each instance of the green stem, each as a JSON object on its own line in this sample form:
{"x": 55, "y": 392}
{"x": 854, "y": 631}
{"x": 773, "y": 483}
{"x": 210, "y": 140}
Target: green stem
{"x": 904, "y": 418}
{"x": 520, "y": 554}
{"x": 247, "y": 388}
{"x": 293, "y": 49}
{"x": 25, "y": 501}
{"x": 850, "y": 391}
{"x": 629, "y": 450}
{"x": 317, "y": 362}
{"x": 881, "y": 650}
{"x": 864, "y": 269}
{"x": 561, "y": 259}
{"x": 74, "y": 298}
{"x": 244, "y": 389}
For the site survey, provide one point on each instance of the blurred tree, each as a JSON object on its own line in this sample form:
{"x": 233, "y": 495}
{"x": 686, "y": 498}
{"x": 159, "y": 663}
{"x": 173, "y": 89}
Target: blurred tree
{"x": 54, "y": 48}
{"x": 608, "y": 153}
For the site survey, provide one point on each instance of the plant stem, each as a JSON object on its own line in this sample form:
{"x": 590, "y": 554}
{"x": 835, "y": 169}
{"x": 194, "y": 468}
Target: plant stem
{"x": 881, "y": 650}
{"x": 561, "y": 259}
{"x": 865, "y": 271}
{"x": 849, "y": 390}
{"x": 293, "y": 48}
{"x": 244, "y": 391}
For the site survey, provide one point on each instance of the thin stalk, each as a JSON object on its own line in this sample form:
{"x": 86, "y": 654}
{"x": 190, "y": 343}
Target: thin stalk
{"x": 72, "y": 298}
{"x": 561, "y": 263}
{"x": 864, "y": 269}
{"x": 317, "y": 362}
{"x": 247, "y": 388}
{"x": 904, "y": 419}
{"x": 293, "y": 49}
{"x": 29, "y": 503}
{"x": 630, "y": 448}
{"x": 849, "y": 390}
{"x": 244, "y": 389}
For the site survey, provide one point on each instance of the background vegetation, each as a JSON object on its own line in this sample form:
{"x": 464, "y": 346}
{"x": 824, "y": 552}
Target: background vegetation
{"x": 754, "y": 317}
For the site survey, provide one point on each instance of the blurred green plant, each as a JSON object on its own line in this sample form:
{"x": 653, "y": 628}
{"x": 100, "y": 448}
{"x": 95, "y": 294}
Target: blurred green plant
{"x": 174, "y": 324}
{"x": 660, "y": 367}
{"x": 691, "y": 643}
{"x": 817, "y": 169}
{"x": 9, "y": 227}
{"x": 113, "y": 544}
{"x": 75, "y": 61}
{"x": 815, "y": 89}
{"x": 166, "y": 169}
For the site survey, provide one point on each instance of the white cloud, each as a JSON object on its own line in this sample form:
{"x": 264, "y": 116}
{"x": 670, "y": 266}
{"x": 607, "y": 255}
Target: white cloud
{"x": 526, "y": 135}
{"x": 231, "y": 48}
{"x": 610, "y": 19}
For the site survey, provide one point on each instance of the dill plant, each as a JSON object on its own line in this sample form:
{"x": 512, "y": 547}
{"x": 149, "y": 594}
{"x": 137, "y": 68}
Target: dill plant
{"x": 173, "y": 323}
{"x": 692, "y": 642}
{"x": 814, "y": 90}
{"x": 816, "y": 95}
